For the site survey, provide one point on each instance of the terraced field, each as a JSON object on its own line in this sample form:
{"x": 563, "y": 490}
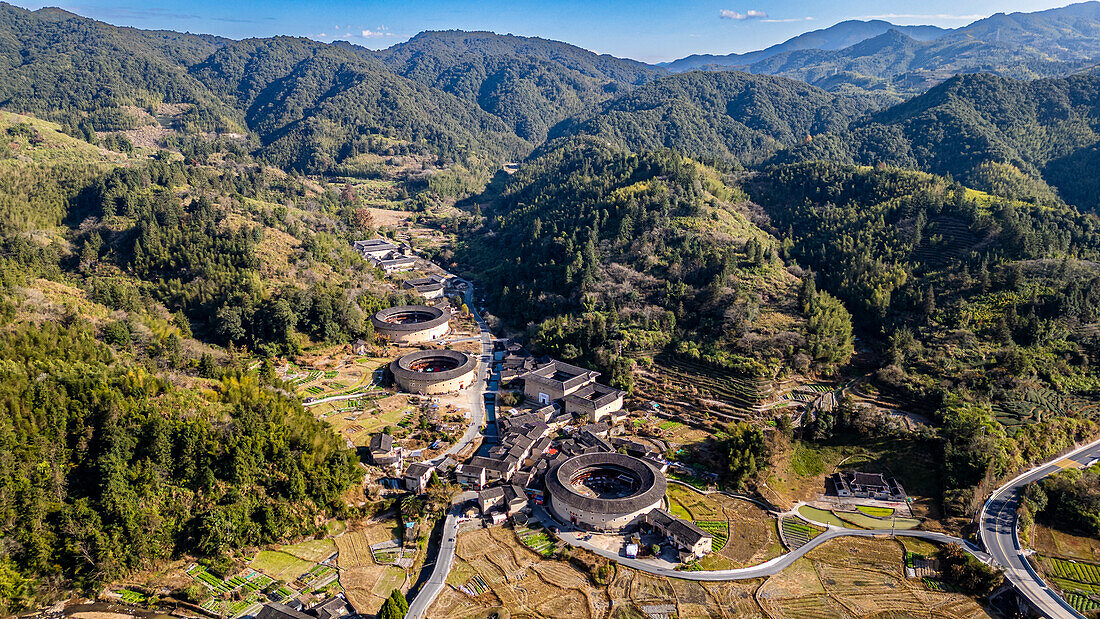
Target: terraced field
{"x": 681, "y": 386}
{"x": 798, "y": 533}
{"x": 1078, "y": 580}
{"x": 1036, "y": 404}
{"x": 720, "y": 529}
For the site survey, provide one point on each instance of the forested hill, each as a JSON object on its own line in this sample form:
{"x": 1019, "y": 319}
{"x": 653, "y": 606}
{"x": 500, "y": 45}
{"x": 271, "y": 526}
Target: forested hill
{"x": 314, "y": 105}
{"x": 975, "y": 304}
{"x": 725, "y": 115}
{"x": 994, "y": 133}
{"x": 530, "y": 83}
{"x": 608, "y": 254}
{"x": 311, "y": 106}
{"x": 75, "y": 70}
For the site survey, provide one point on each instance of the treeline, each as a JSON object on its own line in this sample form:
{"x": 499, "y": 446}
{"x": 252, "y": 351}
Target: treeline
{"x": 604, "y": 252}
{"x": 105, "y": 467}
{"x": 188, "y": 256}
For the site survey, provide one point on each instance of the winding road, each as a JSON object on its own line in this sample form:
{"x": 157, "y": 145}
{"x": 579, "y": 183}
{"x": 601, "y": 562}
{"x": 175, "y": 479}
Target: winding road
{"x": 446, "y": 555}
{"x": 999, "y": 535}
{"x": 768, "y": 568}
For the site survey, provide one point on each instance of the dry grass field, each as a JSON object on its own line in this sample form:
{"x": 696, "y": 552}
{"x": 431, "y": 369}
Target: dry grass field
{"x": 367, "y": 584}
{"x": 518, "y": 579}
{"x": 844, "y": 578}
{"x": 1052, "y": 543}
{"x": 753, "y": 537}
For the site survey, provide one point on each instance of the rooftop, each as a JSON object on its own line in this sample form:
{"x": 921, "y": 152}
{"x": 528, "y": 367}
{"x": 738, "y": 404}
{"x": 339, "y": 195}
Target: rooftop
{"x": 561, "y": 372}
{"x": 687, "y": 532}
{"x": 418, "y": 469}
{"x": 600, "y": 395}
{"x": 381, "y": 443}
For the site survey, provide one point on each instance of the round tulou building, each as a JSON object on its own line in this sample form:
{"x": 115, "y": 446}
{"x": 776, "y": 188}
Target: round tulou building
{"x": 434, "y": 371}
{"x": 411, "y": 324}
{"x": 604, "y": 491}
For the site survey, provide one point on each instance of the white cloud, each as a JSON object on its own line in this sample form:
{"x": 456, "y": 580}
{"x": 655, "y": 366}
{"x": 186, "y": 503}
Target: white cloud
{"x": 749, "y": 14}
{"x": 381, "y": 31}
{"x": 787, "y": 20}
{"x": 889, "y": 16}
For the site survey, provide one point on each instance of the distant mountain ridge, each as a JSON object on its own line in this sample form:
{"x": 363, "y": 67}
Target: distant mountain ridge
{"x": 904, "y": 60}
{"x": 837, "y": 36}
{"x": 720, "y": 114}
{"x": 1026, "y": 138}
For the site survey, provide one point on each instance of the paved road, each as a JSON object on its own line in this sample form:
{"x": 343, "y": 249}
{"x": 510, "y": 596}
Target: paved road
{"x": 443, "y": 561}
{"x": 768, "y": 568}
{"x": 446, "y": 555}
{"x": 998, "y": 533}
{"x": 476, "y": 391}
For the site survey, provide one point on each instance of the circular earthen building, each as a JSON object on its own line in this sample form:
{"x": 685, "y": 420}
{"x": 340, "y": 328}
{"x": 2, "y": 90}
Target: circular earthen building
{"x": 434, "y": 371}
{"x": 604, "y": 491}
{"x": 410, "y": 324}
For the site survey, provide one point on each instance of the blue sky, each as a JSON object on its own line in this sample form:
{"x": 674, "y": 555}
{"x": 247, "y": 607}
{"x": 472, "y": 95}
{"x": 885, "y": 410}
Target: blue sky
{"x": 646, "y": 30}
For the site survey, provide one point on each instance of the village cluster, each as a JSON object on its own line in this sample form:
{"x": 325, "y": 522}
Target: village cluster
{"x": 556, "y": 448}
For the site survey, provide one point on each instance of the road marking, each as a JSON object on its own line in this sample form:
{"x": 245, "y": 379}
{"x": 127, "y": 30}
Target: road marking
{"x": 1068, "y": 462}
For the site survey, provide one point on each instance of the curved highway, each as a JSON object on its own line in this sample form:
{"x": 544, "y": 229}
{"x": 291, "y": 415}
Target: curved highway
{"x": 768, "y": 568}
{"x": 998, "y": 533}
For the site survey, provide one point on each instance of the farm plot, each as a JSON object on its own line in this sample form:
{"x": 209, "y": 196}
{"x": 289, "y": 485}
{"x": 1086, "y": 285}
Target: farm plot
{"x": 494, "y": 567}
{"x": 875, "y": 512}
{"x": 863, "y": 521}
{"x": 360, "y": 575}
{"x": 798, "y": 533}
{"x": 280, "y": 565}
{"x": 536, "y": 539}
{"x": 315, "y": 550}
{"x": 693, "y": 505}
{"x": 856, "y": 520}
{"x": 851, "y": 577}
{"x": 1035, "y": 404}
{"x": 229, "y": 597}
{"x": 1079, "y": 581}
{"x": 720, "y": 529}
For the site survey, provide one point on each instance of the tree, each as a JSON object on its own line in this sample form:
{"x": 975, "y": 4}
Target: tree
{"x": 743, "y": 453}
{"x": 228, "y": 324}
{"x": 829, "y": 330}
{"x": 364, "y": 220}
{"x": 390, "y": 610}
{"x": 400, "y": 600}
{"x": 928, "y": 303}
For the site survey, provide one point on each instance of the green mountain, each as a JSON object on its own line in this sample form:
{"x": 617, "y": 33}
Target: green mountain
{"x": 610, "y": 254}
{"x": 529, "y": 83}
{"x": 314, "y": 105}
{"x": 1009, "y": 136}
{"x": 69, "y": 68}
{"x": 311, "y": 105}
{"x": 722, "y": 115}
